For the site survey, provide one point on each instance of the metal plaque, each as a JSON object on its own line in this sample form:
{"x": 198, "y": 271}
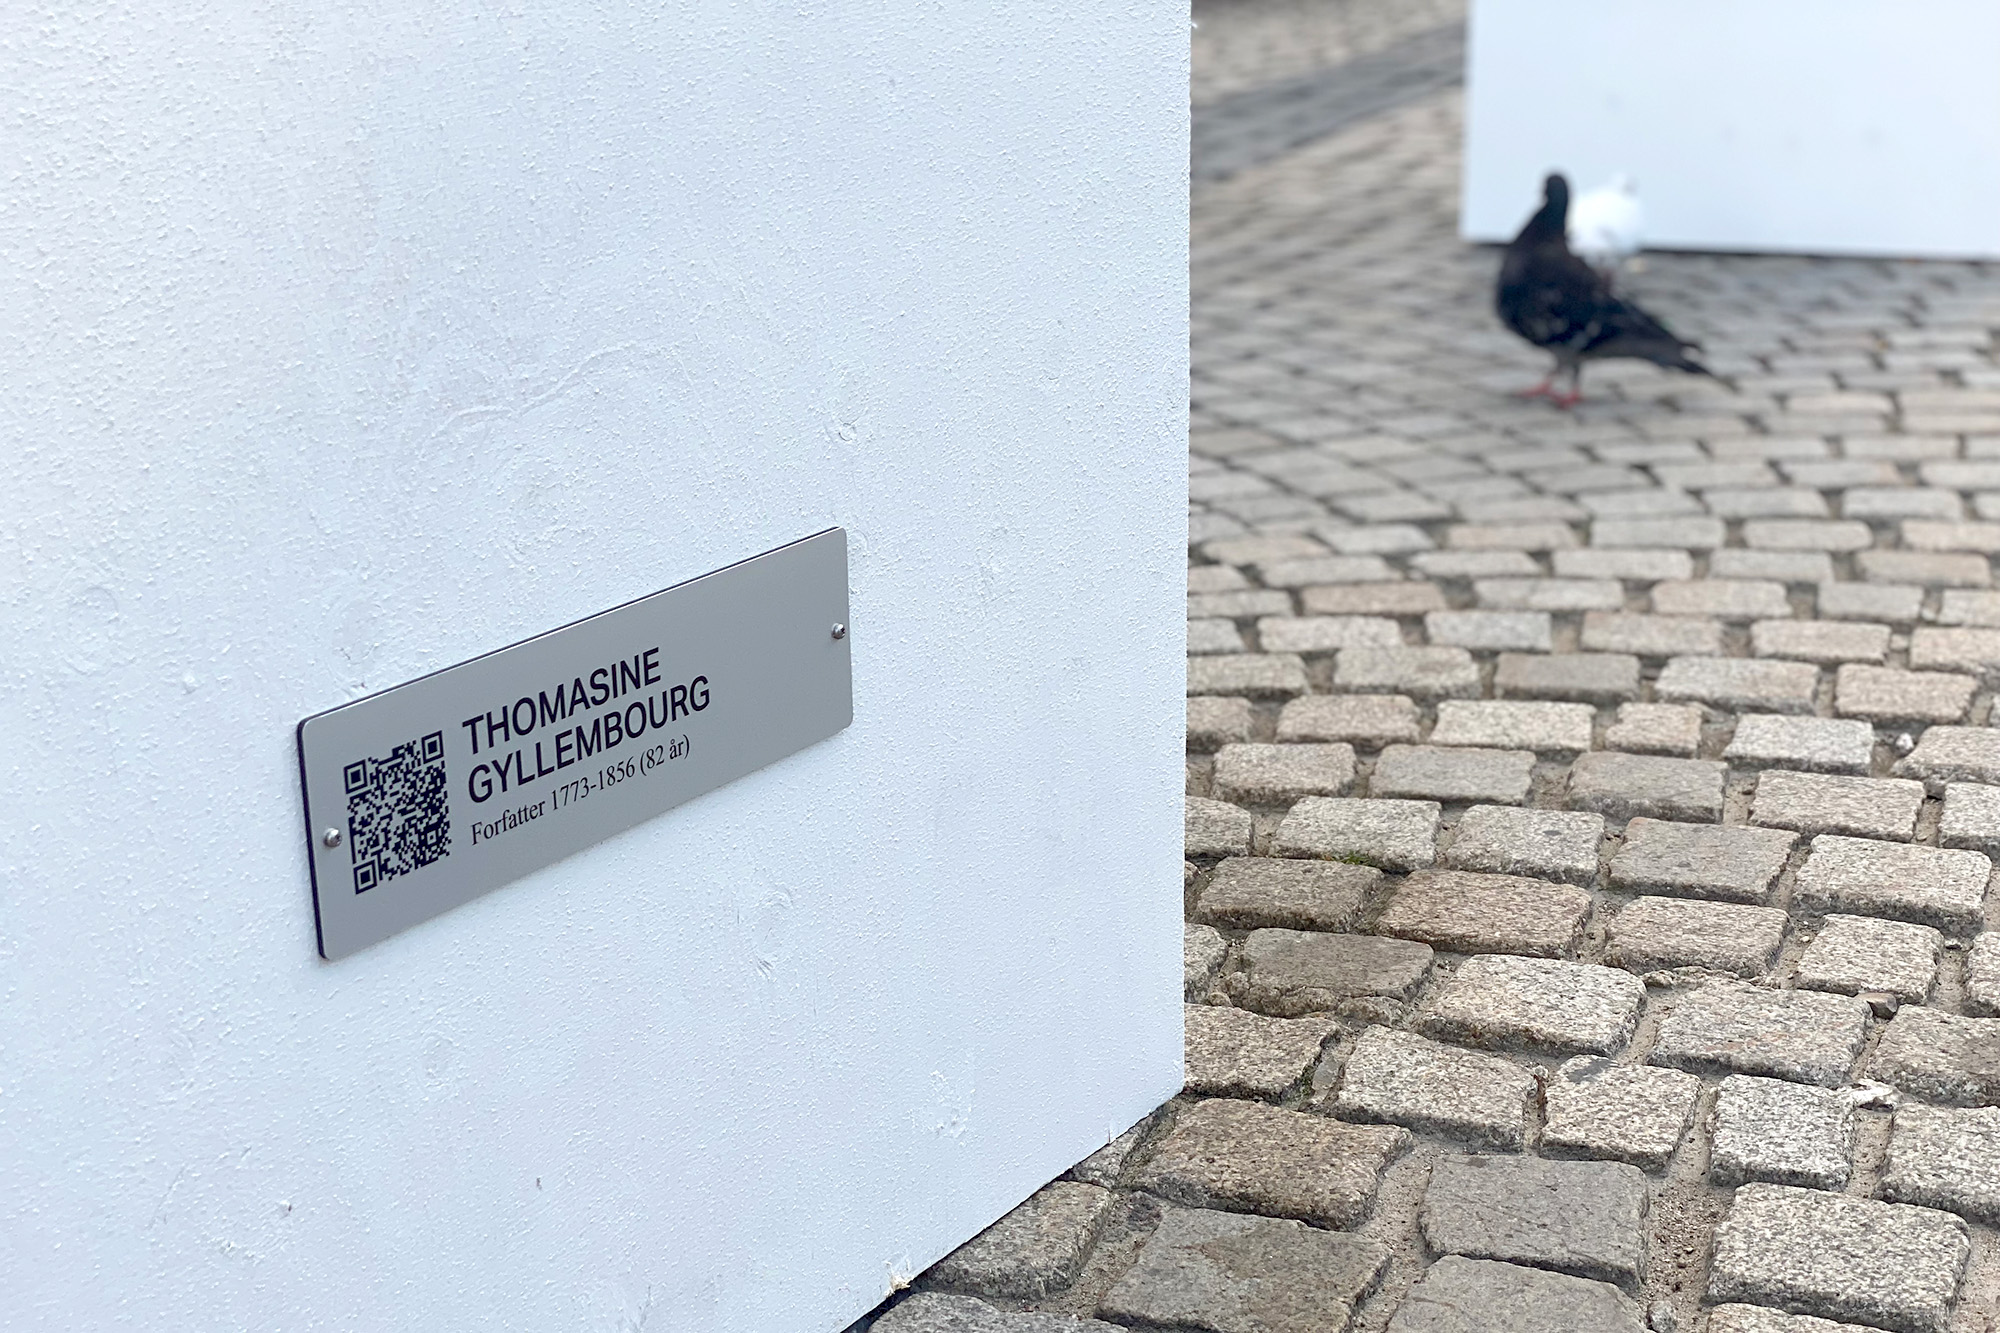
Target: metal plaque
{"x": 426, "y": 795}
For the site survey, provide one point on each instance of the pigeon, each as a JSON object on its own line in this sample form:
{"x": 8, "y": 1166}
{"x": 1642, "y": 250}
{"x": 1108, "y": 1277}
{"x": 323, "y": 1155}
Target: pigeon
{"x": 1563, "y": 306}
{"x": 1605, "y": 224}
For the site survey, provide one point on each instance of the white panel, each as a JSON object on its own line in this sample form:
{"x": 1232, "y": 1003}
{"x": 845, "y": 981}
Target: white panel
{"x": 1813, "y": 126}
{"x": 348, "y": 340}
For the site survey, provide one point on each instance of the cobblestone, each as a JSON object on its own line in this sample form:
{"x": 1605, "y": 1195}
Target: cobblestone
{"x": 1214, "y": 721}
{"x": 1649, "y": 636}
{"x": 1727, "y": 1027}
{"x": 1927, "y": 885}
{"x": 1822, "y": 641}
{"x": 1757, "y": 1319}
{"x": 1490, "y": 631}
{"x": 1982, "y": 976}
{"x": 1291, "y": 972}
{"x": 1215, "y": 828}
{"x": 1202, "y": 951}
{"x": 1034, "y": 1250}
{"x": 1947, "y": 1159}
{"x": 1279, "y": 774}
{"x": 1898, "y": 604}
{"x": 1582, "y": 1218}
{"x": 1364, "y": 719}
{"x": 1325, "y": 634}
{"x": 1740, "y": 684}
{"x": 1228, "y": 1273}
{"x": 935, "y": 1312}
{"x": 1542, "y": 844}
{"x": 1231, "y": 1053}
{"x": 1425, "y": 673}
{"x": 1472, "y": 913}
{"x": 1622, "y": 786}
{"x": 1453, "y": 774}
{"x": 1627, "y": 1113}
{"x": 1459, "y": 1295}
{"x": 1507, "y": 725}
{"x": 1953, "y": 754}
{"x": 1584, "y": 677}
{"x": 1820, "y": 744}
{"x": 1544, "y": 1006}
{"x": 1256, "y": 675}
{"x": 1399, "y": 1078}
{"x": 1941, "y": 1057}
{"x": 1395, "y": 835}
{"x": 1649, "y": 934}
{"x": 1248, "y": 1156}
{"x": 1733, "y": 864}
{"x": 1786, "y": 1133}
{"x": 1818, "y": 803}
{"x": 1886, "y": 1265}
{"x": 1668, "y": 729}
{"x": 1247, "y": 893}
{"x": 1855, "y": 955}
{"x": 1886, "y": 694}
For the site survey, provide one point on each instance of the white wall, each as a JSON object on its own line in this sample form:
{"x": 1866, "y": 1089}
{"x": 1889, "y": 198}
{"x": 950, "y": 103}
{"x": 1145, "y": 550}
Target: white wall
{"x": 347, "y": 340}
{"x": 1811, "y": 126}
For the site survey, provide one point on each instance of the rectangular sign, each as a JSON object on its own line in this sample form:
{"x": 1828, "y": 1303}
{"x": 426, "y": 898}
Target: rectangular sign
{"x": 427, "y": 795}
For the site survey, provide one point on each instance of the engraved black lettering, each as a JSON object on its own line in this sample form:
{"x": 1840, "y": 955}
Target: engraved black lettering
{"x": 640, "y": 709}
{"x": 680, "y": 698}
{"x": 701, "y": 699}
{"x": 652, "y": 662}
{"x": 523, "y": 728}
{"x": 479, "y": 782}
{"x": 599, "y": 691}
{"x": 556, "y": 711}
{"x": 471, "y": 724}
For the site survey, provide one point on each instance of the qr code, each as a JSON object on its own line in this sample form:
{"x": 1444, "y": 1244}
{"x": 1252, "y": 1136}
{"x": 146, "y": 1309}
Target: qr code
{"x": 398, "y": 819}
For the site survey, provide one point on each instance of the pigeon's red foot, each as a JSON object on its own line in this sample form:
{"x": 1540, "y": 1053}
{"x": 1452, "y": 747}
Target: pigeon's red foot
{"x": 1567, "y": 400}
{"x": 1541, "y": 390}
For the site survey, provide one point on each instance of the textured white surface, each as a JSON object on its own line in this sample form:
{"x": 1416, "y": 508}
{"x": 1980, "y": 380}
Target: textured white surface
{"x": 1811, "y": 126}
{"x": 346, "y": 341}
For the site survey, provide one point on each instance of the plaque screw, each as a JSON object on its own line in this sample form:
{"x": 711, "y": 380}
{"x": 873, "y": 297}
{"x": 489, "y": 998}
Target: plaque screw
{"x": 331, "y": 837}
{"x": 839, "y": 630}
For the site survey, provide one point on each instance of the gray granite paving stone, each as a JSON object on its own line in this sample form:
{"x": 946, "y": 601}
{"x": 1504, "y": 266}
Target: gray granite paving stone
{"x": 1945, "y": 1158}
{"x": 1736, "y": 562}
{"x": 1731, "y": 864}
{"x": 1234, "y": 1053}
{"x": 1582, "y": 1218}
{"x": 935, "y": 1312}
{"x": 1729, "y": 1027}
{"x": 1894, "y": 603}
{"x": 1635, "y": 564}
{"x": 1953, "y": 754}
{"x": 1650, "y": 934}
{"x": 1371, "y": 599}
{"x": 1459, "y": 1295}
{"x": 1547, "y": 1006}
{"x": 1856, "y": 955}
{"x": 1325, "y": 634}
{"x": 1649, "y": 636}
{"x": 1034, "y": 1250}
{"x": 1242, "y": 602}
{"x": 1722, "y": 598}
{"x": 1940, "y": 1057}
{"x": 1399, "y": 1078}
{"x": 1292, "y": 972}
{"x": 1426, "y": 673}
{"x": 1924, "y": 567}
{"x": 1757, "y": 1319}
{"x": 1535, "y": 594}
{"x": 1508, "y": 725}
{"x": 1931, "y": 886}
{"x": 1818, "y": 744}
{"x": 1787, "y": 1133}
{"x": 1542, "y": 844}
{"x": 1971, "y": 817}
{"x": 1982, "y": 976}
{"x": 1255, "y": 675}
{"x": 1796, "y": 534}
{"x": 1248, "y": 892}
{"x": 1887, "y": 1265}
{"x": 1465, "y": 912}
{"x": 1739, "y": 684}
{"x": 1202, "y": 952}
{"x": 1228, "y": 1273}
{"x": 1475, "y": 565}
{"x": 1453, "y": 774}
{"x": 1365, "y": 719}
{"x": 1106, "y": 1166}
{"x": 1250, "y": 1157}
{"x": 1826, "y": 641}
{"x": 1213, "y": 636}
{"x": 1668, "y": 729}
{"x": 1828, "y": 803}
{"x": 1214, "y": 721}
{"x": 1395, "y": 835}
{"x": 1585, "y": 677}
{"x": 1886, "y": 694}
{"x": 1960, "y": 606}
{"x": 1973, "y": 651}
{"x": 1326, "y": 569}
{"x": 1624, "y": 786}
{"x": 1687, "y": 533}
{"x": 1281, "y": 774}
{"x": 1216, "y": 828}
{"x": 1628, "y": 1113}
{"x": 1490, "y": 631}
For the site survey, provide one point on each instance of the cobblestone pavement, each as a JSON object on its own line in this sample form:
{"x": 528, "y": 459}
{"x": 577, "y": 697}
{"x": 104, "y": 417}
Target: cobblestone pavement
{"x": 1589, "y": 814}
